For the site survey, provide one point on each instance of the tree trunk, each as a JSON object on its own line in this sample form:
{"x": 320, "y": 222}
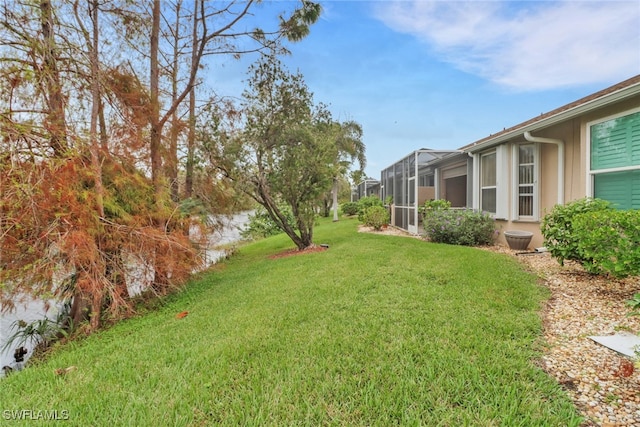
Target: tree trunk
{"x": 171, "y": 165}
{"x": 302, "y": 241}
{"x": 55, "y": 121}
{"x": 155, "y": 139}
{"x": 191, "y": 137}
{"x": 104, "y": 139}
{"x": 334, "y": 194}
{"x": 79, "y": 311}
{"x": 94, "y": 145}
{"x": 155, "y": 133}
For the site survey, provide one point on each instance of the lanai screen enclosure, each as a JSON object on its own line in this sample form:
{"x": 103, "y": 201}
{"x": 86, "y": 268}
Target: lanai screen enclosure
{"x": 366, "y": 188}
{"x": 409, "y": 183}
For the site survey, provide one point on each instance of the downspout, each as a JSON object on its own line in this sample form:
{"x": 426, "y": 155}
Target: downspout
{"x": 560, "y": 144}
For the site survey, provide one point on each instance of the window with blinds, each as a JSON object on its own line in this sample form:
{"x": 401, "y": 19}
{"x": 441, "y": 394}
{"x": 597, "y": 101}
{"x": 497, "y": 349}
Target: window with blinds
{"x": 615, "y": 160}
{"x": 526, "y": 179}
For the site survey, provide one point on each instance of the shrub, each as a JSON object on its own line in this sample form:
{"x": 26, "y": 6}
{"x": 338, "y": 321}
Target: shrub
{"x": 376, "y": 217}
{"x": 435, "y": 205}
{"x": 608, "y": 242}
{"x": 459, "y": 227}
{"x": 365, "y": 203}
{"x": 261, "y": 225}
{"x": 557, "y": 227}
{"x": 634, "y": 303}
{"x": 350, "y": 208}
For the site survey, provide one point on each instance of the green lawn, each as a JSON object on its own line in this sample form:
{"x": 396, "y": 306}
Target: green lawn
{"x": 377, "y": 330}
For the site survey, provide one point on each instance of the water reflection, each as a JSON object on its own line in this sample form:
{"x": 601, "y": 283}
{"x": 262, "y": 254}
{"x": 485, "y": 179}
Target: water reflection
{"x": 27, "y": 313}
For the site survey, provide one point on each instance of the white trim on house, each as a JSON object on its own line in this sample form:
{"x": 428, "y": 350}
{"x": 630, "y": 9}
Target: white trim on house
{"x": 475, "y": 195}
{"x": 502, "y": 182}
{"x": 482, "y": 185}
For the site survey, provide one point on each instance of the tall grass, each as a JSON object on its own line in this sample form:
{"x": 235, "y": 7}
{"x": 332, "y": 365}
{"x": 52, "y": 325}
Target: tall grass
{"x": 377, "y": 330}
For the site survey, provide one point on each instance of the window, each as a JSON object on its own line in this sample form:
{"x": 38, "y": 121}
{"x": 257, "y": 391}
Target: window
{"x": 490, "y": 175}
{"x": 488, "y": 182}
{"x": 426, "y": 180}
{"x": 526, "y": 185}
{"x": 615, "y": 160}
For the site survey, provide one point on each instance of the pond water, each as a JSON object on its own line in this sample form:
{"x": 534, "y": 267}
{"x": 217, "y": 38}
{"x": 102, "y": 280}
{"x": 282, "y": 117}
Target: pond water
{"x": 28, "y": 312}
{"x": 138, "y": 278}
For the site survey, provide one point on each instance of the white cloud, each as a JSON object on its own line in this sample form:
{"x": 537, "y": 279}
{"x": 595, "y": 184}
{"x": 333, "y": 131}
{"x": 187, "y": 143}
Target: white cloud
{"x": 526, "y": 45}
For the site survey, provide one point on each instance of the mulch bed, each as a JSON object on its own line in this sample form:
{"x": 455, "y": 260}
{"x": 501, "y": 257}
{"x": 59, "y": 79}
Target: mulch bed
{"x": 296, "y": 251}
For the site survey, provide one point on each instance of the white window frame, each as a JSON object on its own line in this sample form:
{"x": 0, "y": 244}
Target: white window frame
{"x": 489, "y": 187}
{"x": 590, "y": 177}
{"x": 502, "y": 210}
{"x": 515, "y": 207}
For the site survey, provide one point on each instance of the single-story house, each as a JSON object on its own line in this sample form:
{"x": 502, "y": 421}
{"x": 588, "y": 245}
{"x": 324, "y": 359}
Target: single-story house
{"x": 588, "y": 148}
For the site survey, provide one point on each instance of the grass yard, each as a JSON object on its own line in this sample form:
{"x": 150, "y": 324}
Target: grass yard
{"x": 376, "y": 330}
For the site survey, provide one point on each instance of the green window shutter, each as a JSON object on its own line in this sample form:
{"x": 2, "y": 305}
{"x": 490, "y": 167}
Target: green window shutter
{"x": 620, "y": 188}
{"x": 616, "y": 143}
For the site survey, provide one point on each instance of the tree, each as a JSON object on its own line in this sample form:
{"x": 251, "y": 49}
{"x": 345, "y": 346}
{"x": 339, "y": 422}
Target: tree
{"x": 55, "y": 121}
{"x": 33, "y": 85}
{"x": 344, "y": 195}
{"x": 215, "y": 32}
{"x": 191, "y": 135}
{"x": 85, "y": 158}
{"x": 347, "y": 148}
{"x": 282, "y": 154}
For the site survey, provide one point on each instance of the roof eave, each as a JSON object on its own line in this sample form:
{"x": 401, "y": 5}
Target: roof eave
{"x": 559, "y": 117}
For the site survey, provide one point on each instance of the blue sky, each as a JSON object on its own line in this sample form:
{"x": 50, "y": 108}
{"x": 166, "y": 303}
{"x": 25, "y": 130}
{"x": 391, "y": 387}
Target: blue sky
{"x": 443, "y": 74}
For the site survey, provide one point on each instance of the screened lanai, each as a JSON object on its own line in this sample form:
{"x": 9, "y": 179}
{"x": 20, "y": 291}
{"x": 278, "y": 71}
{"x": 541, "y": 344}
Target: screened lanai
{"x": 409, "y": 183}
{"x": 366, "y": 188}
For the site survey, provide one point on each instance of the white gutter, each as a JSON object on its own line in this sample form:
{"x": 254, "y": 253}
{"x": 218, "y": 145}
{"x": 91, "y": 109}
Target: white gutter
{"x": 560, "y": 144}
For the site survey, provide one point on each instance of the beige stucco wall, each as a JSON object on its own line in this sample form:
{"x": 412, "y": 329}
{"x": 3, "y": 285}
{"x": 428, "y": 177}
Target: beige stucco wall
{"x": 453, "y": 183}
{"x": 575, "y": 163}
{"x": 574, "y": 134}
{"x": 426, "y": 193}
{"x": 533, "y": 227}
{"x": 548, "y": 180}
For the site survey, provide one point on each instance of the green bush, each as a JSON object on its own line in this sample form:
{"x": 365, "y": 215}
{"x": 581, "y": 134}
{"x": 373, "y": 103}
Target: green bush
{"x": 557, "y": 227}
{"x": 634, "y": 303}
{"x": 434, "y": 205}
{"x": 376, "y": 217}
{"x": 261, "y": 225}
{"x": 365, "y": 203}
{"x": 608, "y": 242}
{"x": 459, "y": 226}
{"x": 350, "y": 208}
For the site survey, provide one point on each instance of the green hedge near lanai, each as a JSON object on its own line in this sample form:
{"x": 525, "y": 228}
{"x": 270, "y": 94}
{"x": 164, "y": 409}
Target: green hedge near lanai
{"x": 457, "y": 226}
